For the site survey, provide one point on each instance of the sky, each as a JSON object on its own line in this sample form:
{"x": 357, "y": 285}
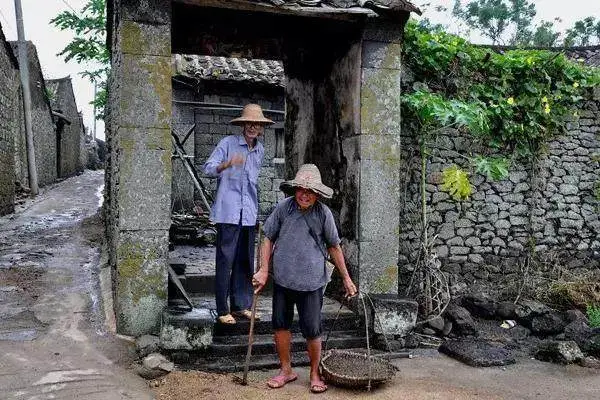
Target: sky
{"x": 568, "y": 11}
{"x": 50, "y": 41}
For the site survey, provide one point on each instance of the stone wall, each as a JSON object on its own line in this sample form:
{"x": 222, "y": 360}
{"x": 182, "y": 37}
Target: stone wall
{"x": 44, "y": 135}
{"x": 546, "y": 212}
{"x": 9, "y": 111}
{"x": 213, "y": 125}
{"x": 69, "y": 134}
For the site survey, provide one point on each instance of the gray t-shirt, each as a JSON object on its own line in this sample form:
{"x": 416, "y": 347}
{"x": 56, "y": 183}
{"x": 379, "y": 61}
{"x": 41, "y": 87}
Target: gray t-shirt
{"x": 298, "y": 263}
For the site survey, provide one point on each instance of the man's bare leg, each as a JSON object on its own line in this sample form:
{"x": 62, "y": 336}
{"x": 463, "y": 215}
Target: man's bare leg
{"x": 314, "y": 354}
{"x": 283, "y": 341}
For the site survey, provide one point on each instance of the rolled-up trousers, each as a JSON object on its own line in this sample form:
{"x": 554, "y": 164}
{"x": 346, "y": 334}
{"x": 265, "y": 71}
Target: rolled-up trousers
{"x": 234, "y": 267}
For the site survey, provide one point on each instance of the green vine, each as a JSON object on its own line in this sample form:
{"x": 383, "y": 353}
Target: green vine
{"x": 510, "y": 102}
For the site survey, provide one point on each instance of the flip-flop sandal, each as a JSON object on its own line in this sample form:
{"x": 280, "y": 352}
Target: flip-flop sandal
{"x": 246, "y": 314}
{"x": 318, "y": 387}
{"x": 280, "y": 381}
{"x": 226, "y": 319}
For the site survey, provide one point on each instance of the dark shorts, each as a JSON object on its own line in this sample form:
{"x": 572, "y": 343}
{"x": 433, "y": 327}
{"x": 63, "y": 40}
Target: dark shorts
{"x": 309, "y": 310}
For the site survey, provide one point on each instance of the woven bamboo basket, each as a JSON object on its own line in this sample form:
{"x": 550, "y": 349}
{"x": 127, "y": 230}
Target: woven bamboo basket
{"x": 357, "y": 376}
{"x": 355, "y": 369}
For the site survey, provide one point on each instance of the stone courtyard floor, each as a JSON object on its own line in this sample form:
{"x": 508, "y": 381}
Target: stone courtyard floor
{"x": 57, "y": 341}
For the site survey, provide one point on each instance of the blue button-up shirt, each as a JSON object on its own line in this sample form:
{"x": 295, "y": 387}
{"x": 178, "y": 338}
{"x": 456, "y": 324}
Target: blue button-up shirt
{"x": 237, "y": 185}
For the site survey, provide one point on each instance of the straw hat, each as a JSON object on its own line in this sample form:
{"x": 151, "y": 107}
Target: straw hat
{"x": 251, "y": 113}
{"x": 307, "y": 177}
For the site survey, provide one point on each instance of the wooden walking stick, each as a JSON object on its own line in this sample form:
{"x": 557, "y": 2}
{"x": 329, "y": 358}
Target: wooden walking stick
{"x": 252, "y": 317}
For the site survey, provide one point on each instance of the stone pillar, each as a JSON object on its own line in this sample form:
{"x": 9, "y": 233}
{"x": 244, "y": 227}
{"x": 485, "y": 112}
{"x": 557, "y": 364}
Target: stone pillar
{"x": 379, "y": 154}
{"x": 140, "y": 129}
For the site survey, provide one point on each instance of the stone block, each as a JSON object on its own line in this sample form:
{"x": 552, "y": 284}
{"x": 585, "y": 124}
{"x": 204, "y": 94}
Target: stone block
{"x": 382, "y": 148}
{"x": 139, "y": 38}
{"x": 380, "y": 102}
{"x": 379, "y": 200}
{"x": 187, "y": 331}
{"x": 378, "y": 262}
{"x": 381, "y": 55}
{"x": 145, "y": 189}
{"x": 145, "y": 91}
{"x": 393, "y": 315}
{"x": 141, "y": 280}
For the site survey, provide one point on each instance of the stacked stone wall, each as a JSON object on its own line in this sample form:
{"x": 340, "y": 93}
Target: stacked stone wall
{"x": 9, "y": 111}
{"x": 213, "y": 125}
{"x": 540, "y": 223}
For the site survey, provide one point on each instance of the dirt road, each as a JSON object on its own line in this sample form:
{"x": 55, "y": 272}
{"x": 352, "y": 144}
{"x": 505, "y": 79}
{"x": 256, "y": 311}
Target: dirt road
{"x": 53, "y": 344}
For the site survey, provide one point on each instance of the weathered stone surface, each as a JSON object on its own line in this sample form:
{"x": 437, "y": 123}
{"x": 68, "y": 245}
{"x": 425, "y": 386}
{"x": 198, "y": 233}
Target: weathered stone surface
{"x": 381, "y": 55}
{"x": 141, "y": 286}
{"x": 461, "y": 319}
{"x": 477, "y": 353}
{"x": 437, "y": 323}
{"x": 551, "y": 322}
{"x": 563, "y": 352}
{"x": 480, "y": 305}
{"x": 187, "y": 331}
{"x": 140, "y": 38}
{"x": 393, "y": 315}
{"x": 145, "y": 91}
{"x": 147, "y": 344}
{"x": 380, "y": 104}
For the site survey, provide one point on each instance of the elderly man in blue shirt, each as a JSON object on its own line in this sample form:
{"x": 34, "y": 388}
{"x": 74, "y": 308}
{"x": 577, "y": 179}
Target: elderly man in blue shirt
{"x": 235, "y": 162}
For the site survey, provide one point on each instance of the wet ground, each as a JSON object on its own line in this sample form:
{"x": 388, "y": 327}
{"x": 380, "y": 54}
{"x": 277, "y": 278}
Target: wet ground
{"x": 53, "y": 341}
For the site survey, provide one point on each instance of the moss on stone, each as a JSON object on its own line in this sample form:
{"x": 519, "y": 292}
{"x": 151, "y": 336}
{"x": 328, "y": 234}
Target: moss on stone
{"x": 386, "y": 283}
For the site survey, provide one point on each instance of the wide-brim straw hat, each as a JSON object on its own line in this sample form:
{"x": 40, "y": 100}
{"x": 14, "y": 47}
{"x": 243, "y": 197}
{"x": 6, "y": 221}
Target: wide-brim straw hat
{"x": 251, "y": 113}
{"x": 307, "y": 177}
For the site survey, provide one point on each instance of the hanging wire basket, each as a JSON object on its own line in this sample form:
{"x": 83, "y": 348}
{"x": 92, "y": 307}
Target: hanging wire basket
{"x": 353, "y": 369}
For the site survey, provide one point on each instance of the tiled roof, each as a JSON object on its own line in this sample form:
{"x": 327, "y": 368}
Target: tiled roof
{"x": 229, "y": 69}
{"x": 396, "y": 5}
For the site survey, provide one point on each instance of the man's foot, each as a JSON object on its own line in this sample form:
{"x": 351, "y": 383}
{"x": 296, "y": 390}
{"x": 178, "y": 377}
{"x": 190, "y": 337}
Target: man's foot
{"x": 280, "y": 380}
{"x": 317, "y": 386}
{"x": 226, "y": 319}
{"x": 246, "y": 314}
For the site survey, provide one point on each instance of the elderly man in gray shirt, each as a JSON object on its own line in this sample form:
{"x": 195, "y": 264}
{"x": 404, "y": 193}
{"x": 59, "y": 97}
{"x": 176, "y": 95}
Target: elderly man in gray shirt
{"x": 298, "y": 234}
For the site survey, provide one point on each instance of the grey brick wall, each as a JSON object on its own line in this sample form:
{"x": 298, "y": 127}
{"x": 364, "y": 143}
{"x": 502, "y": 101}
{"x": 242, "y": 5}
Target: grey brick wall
{"x": 9, "y": 111}
{"x": 44, "y": 134}
{"x": 213, "y": 125}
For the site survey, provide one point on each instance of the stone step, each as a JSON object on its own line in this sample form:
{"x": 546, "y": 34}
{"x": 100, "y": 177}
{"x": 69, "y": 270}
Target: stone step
{"x": 236, "y": 363}
{"x": 264, "y": 326}
{"x": 226, "y": 346}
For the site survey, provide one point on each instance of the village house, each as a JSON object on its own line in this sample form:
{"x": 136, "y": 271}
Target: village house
{"x": 342, "y": 112}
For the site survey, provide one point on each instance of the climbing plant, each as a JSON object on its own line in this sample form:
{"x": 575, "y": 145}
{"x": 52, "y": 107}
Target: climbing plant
{"x": 509, "y": 102}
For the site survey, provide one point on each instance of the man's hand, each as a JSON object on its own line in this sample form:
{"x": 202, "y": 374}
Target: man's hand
{"x": 349, "y": 287}
{"x": 259, "y": 280}
{"x": 236, "y": 159}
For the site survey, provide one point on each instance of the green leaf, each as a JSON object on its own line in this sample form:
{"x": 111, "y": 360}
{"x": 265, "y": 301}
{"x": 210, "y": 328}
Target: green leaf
{"x": 456, "y": 183}
{"x": 494, "y": 168}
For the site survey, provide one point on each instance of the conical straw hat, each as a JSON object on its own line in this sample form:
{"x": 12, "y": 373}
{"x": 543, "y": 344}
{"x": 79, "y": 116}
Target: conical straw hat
{"x": 251, "y": 113}
{"x": 307, "y": 177}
